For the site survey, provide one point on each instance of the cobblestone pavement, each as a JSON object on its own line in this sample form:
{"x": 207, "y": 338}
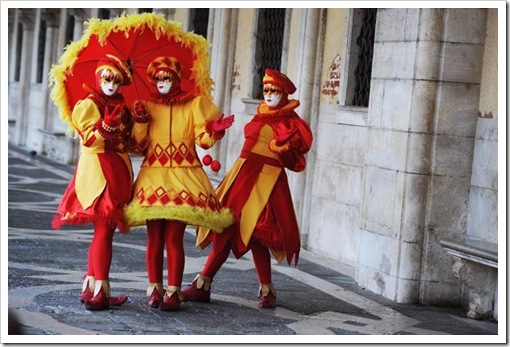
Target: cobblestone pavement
{"x": 45, "y": 268}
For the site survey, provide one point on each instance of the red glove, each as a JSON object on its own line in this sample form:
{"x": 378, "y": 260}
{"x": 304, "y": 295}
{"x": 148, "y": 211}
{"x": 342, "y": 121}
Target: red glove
{"x": 221, "y": 123}
{"x": 111, "y": 121}
{"x": 139, "y": 112}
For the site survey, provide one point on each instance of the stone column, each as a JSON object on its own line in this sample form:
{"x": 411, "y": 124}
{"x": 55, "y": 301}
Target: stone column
{"x": 223, "y": 36}
{"x": 13, "y": 42}
{"x": 27, "y": 18}
{"x": 167, "y": 12}
{"x": 421, "y": 121}
{"x": 307, "y": 81}
{"x": 52, "y": 17}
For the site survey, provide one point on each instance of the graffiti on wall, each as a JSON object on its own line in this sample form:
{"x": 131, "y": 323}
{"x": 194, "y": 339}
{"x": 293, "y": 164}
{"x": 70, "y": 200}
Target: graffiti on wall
{"x": 331, "y": 87}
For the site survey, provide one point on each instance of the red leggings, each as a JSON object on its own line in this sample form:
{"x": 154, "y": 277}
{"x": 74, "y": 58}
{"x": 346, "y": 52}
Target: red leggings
{"x": 100, "y": 251}
{"x": 261, "y": 259}
{"x": 169, "y": 233}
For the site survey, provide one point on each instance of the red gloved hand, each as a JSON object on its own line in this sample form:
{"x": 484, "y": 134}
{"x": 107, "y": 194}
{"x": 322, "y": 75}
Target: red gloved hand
{"x": 140, "y": 114}
{"x": 284, "y": 134}
{"x": 221, "y": 123}
{"x": 112, "y": 120}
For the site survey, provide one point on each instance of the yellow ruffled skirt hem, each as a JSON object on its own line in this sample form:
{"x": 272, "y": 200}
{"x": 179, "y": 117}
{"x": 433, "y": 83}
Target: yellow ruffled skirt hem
{"x": 137, "y": 215}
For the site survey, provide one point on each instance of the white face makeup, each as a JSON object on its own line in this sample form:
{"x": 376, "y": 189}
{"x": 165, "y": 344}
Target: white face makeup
{"x": 110, "y": 82}
{"x": 272, "y": 95}
{"x": 164, "y": 87}
{"x": 109, "y": 88}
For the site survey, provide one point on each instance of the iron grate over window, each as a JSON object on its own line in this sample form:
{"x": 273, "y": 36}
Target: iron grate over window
{"x": 201, "y": 21}
{"x": 363, "y": 72}
{"x": 270, "y": 30}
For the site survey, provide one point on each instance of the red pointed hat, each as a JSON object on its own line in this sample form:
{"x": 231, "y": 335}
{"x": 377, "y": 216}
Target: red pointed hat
{"x": 279, "y": 79}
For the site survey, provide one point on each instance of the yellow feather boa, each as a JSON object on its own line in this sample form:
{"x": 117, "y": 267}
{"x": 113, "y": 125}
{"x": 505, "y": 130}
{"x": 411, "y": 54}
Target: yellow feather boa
{"x": 137, "y": 215}
{"x": 102, "y": 28}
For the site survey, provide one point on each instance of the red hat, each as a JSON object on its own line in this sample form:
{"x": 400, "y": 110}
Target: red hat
{"x": 164, "y": 64}
{"x": 279, "y": 79}
{"x": 112, "y": 62}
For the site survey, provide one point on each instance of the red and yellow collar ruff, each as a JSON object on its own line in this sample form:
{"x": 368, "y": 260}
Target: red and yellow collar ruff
{"x": 265, "y": 111}
{"x": 172, "y": 99}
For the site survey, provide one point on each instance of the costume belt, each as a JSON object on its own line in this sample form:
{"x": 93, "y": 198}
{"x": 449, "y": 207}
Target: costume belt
{"x": 260, "y": 158}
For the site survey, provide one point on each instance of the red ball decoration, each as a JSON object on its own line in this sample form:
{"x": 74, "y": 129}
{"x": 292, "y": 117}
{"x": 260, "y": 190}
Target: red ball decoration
{"x": 215, "y": 166}
{"x": 207, "y": 160}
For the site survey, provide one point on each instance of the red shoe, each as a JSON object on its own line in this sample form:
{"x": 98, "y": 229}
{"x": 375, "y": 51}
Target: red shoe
{"x": 171, "y": 303}
{"x": 117, "y": 300}
{"x": 192, "y": 293}
{"x": 87, "y": 295}
{"x": 267, "y": 301}
{"x": 98, "y": 302}
{"x": 155, "y": 299}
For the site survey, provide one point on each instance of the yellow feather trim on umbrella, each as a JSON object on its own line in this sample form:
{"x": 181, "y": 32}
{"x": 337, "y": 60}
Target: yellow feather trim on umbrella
{"x": 200, "y": 73}
{"x": 137, "y": 214}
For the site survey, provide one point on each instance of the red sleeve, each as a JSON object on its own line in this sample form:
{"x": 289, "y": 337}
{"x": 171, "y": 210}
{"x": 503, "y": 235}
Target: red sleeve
{"x": 299, "y": 144}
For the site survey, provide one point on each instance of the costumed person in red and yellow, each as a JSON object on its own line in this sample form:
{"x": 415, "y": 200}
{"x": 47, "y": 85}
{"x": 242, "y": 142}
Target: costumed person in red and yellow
{"x": 172, "y": 189}
{"x": 103, "y": 178}
{"x": 257, "y": 191}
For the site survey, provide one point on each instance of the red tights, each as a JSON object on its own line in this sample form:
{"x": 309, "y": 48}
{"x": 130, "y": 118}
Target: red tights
{"x": 261, "y": 259}
{"x": 100, "y": 251}
{"x": 161, "y": 233}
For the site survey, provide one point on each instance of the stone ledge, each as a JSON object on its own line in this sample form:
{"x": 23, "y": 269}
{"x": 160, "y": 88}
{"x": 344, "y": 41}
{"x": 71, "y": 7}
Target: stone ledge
{"x": 476, "y": 266}
{"x": 477, "y": 251}
{"x": 52, "y": 132}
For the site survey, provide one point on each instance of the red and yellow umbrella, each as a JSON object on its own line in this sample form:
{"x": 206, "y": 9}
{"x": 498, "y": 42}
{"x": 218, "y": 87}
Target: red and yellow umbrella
{"x": 137, "y": 39}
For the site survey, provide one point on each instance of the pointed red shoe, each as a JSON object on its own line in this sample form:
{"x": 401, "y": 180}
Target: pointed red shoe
{"x": 98, "y": 302}
{"x": 171, "y": 303}
{"x": 192, "y": 293}
{"x": 155, "y": 299}
{"x": 86, "y": 295}
{"x": 267, "y": 301}
{"x": 117, "y": 300}
{"x": 112, "y": 300}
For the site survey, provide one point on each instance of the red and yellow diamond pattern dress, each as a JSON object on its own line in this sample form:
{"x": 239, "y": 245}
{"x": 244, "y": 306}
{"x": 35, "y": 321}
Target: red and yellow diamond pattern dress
{"x": 172, "y": 184}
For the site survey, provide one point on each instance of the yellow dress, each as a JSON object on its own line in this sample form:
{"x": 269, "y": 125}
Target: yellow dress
{"x": 172, "y": 184}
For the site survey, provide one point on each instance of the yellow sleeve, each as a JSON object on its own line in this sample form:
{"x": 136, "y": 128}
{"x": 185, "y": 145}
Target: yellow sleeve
{"x": 85, "y": 116}
{"x": 203, "y": 110}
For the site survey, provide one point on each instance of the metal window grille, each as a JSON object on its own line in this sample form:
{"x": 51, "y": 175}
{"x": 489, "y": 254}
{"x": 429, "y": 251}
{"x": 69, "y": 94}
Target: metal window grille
{"x": 363, "y": 72}
{"x": 40, "y": 51}
{"x": 201, "y": 21}
{"x": 268, "y": 54}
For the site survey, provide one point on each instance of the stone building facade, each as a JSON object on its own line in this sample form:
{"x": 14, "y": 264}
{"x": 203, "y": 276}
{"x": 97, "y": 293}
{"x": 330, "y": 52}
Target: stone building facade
{"x": 401, "y": 189}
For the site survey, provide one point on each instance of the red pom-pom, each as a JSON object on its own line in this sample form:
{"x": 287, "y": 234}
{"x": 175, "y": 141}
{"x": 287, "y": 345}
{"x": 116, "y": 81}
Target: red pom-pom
{"x": 207, "y": 160}
{"x": 215, "y": 166}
